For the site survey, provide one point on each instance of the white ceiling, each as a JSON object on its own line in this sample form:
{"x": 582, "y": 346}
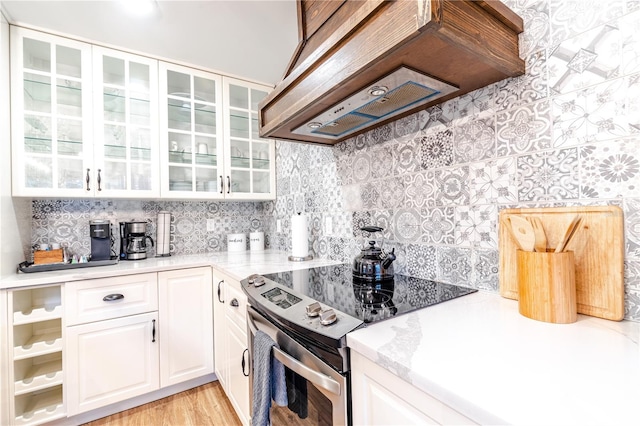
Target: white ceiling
{"x": 252, "y": 39}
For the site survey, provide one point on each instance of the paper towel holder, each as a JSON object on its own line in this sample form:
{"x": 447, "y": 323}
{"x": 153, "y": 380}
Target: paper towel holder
{"x": 295, "y": 257}
{"x": 163, "y": 235}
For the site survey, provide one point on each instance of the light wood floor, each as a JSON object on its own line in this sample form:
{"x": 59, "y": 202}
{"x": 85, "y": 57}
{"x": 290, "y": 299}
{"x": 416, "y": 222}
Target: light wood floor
{"x": 204, "y": 405}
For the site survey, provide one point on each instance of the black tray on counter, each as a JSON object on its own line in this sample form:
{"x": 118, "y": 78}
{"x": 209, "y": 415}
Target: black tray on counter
{"x": 28, "y": 267}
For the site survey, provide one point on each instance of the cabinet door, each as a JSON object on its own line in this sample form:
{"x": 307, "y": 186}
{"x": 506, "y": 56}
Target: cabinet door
{"x": 220, "y": 331}
{"x": 249, "y": 159}
{"x": 186, "y": 317}
{"x": 239, "y": 369}
{"x": 126, "y": 151}
{"x": 110, "y": 361}
{"x": 191, "y": 133}
{"x": 51, "y": 116}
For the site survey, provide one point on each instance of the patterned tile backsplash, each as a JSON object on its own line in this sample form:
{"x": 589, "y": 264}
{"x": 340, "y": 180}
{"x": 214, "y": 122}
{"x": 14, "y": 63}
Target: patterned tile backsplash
{"x": 565, "y": 133}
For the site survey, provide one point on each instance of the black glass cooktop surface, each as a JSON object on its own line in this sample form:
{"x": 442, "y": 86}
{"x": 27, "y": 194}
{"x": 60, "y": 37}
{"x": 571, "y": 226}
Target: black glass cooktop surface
{"x": 334, "y": 286}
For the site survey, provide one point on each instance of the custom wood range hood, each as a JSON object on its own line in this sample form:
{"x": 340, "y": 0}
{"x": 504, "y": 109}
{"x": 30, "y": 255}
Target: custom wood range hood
{"x": 363, "y": 63}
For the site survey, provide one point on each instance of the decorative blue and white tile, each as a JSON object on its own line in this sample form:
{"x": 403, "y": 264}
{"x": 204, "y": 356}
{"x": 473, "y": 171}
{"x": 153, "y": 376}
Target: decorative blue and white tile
{"x": 361, "y": 142}
{"x": 384, "y": 219}
{"x": 548, "y": 175}
{"x": 337, "y": 247}
{"x": 525, "y": 129}
{"x": 344, "y": 169}
{"x": 475, "y": 140}
{"x": 632, "y": 228}
{"x": 527, "y": 88}
{"x": 438, "y": 226}
{"x": 452, "y": 186}
{"x": 493, "y": 181}
{"x": 361, "y": 167}
{"x": 436, "y": 149}
{"x": 304, "y": 180}
{"x": 421, "y": 261}
{"x": 610, "y": 169}
{"x": 359, "y": 220}
{"x": 407, "y": 225}
{"x": 569, "y": 18}
{"x": 485, "y": 270}
{"x": 587, "y": 59}
{"x": 438, "y": 117}
{"x": 380, "y": 134}
{"x": 420, "y": 189}
{"x": 294, "y": 185}
{"x": 342, "y": 222}
{"x": 454, "y": 265}
{"x": 406, "y": 156}
{"x": 464, "y": 231}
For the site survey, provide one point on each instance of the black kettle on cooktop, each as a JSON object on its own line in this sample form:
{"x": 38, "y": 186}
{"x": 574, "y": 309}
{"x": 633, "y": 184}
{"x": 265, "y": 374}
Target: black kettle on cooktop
{"x": 373, "y": 263}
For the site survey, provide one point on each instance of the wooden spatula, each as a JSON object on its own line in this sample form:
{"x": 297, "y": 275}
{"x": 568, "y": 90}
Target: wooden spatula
{"x": 538, "y": 232}
{"x": 523, "y": 232}
{"x": 571, "y": 230}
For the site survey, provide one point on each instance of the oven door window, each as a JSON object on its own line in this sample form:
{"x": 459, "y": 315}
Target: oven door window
{"x": 307, "y": 404}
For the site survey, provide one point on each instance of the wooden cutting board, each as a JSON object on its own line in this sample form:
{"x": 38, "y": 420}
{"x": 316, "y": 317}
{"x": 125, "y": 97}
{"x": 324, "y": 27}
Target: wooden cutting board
{"x": 598, "y": 248}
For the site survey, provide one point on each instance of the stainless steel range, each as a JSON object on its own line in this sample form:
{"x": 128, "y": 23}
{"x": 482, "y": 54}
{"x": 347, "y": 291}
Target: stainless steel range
{"x": 308, "y": 313}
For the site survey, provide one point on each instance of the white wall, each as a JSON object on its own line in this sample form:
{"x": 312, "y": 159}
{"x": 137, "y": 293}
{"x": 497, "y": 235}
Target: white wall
{"x": 15, "y": 214}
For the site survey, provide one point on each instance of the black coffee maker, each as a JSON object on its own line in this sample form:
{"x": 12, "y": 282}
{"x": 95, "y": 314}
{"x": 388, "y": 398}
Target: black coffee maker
{"x": 133, "y": 240}
{"x": 100, "y": 233}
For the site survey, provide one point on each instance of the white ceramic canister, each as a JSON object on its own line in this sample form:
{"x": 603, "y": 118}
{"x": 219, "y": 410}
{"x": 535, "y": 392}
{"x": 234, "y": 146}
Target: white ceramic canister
{"x": 256, "y": 241}
{"x": 236, "y": 242}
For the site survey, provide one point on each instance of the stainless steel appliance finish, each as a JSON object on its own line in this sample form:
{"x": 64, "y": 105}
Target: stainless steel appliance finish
{"x": 311, "y": 311}
{"x": 327, "y": 390}
{"x": 133, "y": 240}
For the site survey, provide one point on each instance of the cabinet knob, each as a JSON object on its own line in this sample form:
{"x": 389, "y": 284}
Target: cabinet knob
{"x": 113, "y": 297}
{"x": 234, "y": 303}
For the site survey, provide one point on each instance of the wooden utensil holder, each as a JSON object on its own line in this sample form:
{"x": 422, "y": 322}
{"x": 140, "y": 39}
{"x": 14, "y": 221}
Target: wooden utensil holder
{"x": 547, "y": 286}
{"x": 41, "y": 257}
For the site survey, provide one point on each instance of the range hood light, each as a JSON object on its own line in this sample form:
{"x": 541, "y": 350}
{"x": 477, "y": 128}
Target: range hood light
{"x": 314, "y": 125}
{"x": 378, "y": 90}
{"x": 334, "y": 124}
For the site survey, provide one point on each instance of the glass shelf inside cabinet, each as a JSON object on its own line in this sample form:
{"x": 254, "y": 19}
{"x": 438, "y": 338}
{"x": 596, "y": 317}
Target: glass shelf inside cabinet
{"x": 259, "y": 163}
{"x": 37, "y": 146}
{"x": 206, "y": 159}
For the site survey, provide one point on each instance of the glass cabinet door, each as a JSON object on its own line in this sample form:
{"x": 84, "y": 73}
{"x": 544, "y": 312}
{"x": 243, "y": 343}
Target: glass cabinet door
{"x": 126, "y": 124}
{"x": 51, "y": 115}
{"x": 250, "y": 168}
{"x": 191, "y": 133}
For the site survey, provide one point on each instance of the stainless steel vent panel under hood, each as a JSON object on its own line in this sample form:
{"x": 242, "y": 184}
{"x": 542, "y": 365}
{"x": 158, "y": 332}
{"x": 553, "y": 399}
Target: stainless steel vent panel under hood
{"x": 390, "y": 96}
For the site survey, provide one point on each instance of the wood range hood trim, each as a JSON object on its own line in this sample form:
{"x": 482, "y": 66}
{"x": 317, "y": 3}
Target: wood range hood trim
{"x": 465, "y": 43}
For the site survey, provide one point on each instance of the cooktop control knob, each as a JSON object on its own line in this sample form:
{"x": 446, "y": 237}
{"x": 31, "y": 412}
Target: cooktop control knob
{"x": 314, "y": 309}
{"x": 256, "y": 280}
{"x": 328, "y": 317}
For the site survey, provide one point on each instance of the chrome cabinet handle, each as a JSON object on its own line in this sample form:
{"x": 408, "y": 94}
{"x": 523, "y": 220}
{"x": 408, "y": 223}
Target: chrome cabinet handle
{"x": 99, "y": 180}
{"x": 113, "y": 297}
{"x": 234, "y": 302}
{"x": 221, "y": 184}
{"x": 246, "y": 351}
{"x": 219, "y": 291}
{"x": 153, "y": 331}
{"x": 88, "y": 179}
{"x": 228, "y": 185}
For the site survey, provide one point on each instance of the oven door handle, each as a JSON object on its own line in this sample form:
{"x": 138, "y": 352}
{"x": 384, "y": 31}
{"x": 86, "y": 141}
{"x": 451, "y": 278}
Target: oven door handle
{"x": 318, "y": 379}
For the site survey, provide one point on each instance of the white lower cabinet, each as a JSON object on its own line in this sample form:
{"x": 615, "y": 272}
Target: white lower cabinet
{"x": 110, "y": 361}
{"x": 379, "y": 397}
{"x": 186, "y": 325}
{"x": 232, "y": 348}
{"x": 162, "y": 334}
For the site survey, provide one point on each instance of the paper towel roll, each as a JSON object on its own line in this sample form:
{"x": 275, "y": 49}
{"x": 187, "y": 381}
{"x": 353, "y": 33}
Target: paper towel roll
{"x": 163, "y": 233}
{"x": 299, "y": 236}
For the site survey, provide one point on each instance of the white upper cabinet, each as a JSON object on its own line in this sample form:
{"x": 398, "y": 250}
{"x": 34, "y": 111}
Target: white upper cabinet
{"x": 191, "y": 133}
{"x": 126, "y": 149}
{"x": 51, "y": 115}
{"x": 249, "y": 160}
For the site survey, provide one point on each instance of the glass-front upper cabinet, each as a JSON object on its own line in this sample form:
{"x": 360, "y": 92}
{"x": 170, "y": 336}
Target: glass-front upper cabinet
{"x": 51, "y": 115}
{"x": 191, "y": 133}
{"x": 126, "y": 145}
{"x": 249, "y": 159}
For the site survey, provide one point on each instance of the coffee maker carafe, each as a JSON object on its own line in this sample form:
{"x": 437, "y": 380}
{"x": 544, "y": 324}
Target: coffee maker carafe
{"x": 133, "y": 240}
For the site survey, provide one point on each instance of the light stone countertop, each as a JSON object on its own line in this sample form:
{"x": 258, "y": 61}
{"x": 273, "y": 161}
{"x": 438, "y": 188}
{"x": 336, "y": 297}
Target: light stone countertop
{"x": 236, "y": 264}
{"x": 478, "y": 355}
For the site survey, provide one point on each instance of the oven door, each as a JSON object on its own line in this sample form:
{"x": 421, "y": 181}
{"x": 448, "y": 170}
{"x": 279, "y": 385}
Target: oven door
{"x": 320, "y": 394}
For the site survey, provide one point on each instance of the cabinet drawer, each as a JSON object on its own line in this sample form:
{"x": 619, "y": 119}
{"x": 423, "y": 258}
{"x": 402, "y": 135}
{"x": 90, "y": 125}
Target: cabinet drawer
{"x": 106, "y": 298}
{"x": 236, "y": 306}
